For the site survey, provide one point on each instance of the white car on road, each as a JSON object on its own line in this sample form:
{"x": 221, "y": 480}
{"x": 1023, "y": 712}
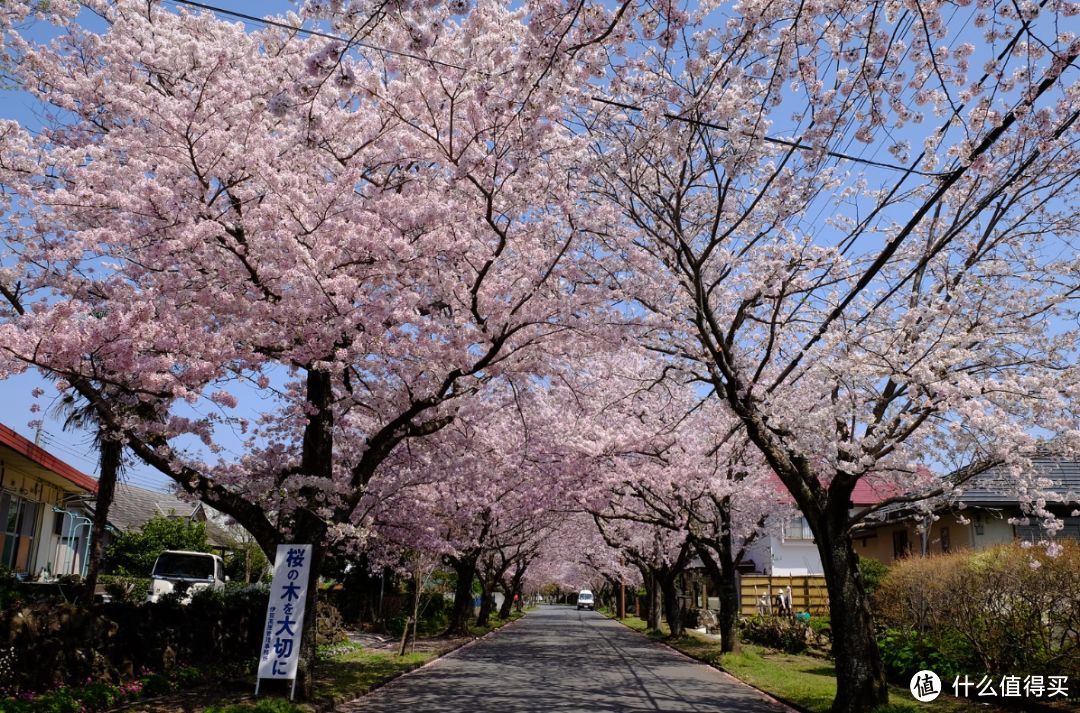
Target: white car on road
{"x": 585, "y": 600}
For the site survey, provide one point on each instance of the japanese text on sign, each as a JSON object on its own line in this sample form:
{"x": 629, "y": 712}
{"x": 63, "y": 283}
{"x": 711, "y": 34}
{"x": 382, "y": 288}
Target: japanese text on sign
{"x": 280, "y": 652}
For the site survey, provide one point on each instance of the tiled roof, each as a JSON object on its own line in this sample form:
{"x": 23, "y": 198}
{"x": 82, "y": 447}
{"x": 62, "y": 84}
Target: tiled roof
{"x": 132, "y": 507}
{"x": 996, "y": 485}
{"x": 46, "y": 460}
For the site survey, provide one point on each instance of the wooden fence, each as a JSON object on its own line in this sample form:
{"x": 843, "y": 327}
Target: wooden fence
{"x": 808, "y": 593}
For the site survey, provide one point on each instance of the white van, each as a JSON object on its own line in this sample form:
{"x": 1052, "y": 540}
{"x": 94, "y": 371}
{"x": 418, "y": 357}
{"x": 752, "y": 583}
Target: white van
{"x": 185, "y": 573}
{"x": 585, "y": 600}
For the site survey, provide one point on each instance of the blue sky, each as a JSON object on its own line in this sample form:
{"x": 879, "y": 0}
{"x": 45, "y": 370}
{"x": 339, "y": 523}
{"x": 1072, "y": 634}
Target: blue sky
{"x": 76, "y": 447}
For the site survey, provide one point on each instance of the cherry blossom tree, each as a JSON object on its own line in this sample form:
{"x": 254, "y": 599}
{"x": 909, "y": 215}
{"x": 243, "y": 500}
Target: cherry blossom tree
{"x": 326, "y": 251}
{"x": 860, "y": 305}
{"x": 673, "y": 459}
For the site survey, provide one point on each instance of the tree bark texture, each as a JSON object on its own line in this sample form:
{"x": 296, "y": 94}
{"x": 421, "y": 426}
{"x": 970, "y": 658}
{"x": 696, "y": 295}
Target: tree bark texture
{"x": 461, "y": 614}
{"x": 111, "y": 455}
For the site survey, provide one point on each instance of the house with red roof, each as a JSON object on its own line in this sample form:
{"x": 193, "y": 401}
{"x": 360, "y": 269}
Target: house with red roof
{"x": 987, "y": 513}
{"x": 42, "y": 528}
{"x": 792, "y": 552}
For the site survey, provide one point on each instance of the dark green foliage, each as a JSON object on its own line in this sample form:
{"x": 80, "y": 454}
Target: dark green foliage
{"x": 434, "y": 616}
{"x": 133, "y": 553}
{"x": 247, "y": 564}
{"x": 188, "y": 676}
{"x": 59, "y": 644}
{"x": 99, "y": 696}
{"x": 121, "y": 588}
{"x": 266, "y": 705}
{"x": 155, "y": 685}
{"x": 60, "y": 701}
{"x": 905, "y": 653}
{"x": 872, "y": 572}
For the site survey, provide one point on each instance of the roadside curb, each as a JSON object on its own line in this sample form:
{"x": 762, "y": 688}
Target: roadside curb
{"x": 785, "y": 705}
{"x": 330, "y": 706}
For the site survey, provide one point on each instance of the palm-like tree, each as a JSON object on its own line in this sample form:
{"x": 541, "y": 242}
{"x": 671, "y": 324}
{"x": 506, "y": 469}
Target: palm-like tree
{"x": 81, "y": 414}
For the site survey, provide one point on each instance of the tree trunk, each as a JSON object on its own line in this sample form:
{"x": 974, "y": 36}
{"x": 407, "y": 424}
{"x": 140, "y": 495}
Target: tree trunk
{"x": 621, "y": 601}
{"x": 860, "y": 676}
{"x": 316, "y": 459}
{"x": 722, "y": 571}
{"x": 111, "y": 455}
{"x": 511, "y": 591}
{"x": 508, "y": 601}
{"x": 487, "y": 602}
{"x": 652, "y": 602}
{"x": 671, "y": 603}
{"x": 461, "y": 614}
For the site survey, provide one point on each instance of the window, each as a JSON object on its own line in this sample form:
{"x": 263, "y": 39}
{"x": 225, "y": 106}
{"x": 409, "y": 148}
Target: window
{"x": 945, "y": 544}
{"x": 61, "y": 523}
{"x": 18, "y": 523}
{"x": 797, "y": 528}
{"x": 900, "y": 546}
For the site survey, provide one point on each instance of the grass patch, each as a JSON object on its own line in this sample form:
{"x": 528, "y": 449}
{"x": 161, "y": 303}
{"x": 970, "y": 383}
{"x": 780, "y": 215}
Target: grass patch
{"x": 357, "y": 671}
{"x": 348, "y": 670}
{"x": 805, "y": 680}
{"x": 494, "y": 622}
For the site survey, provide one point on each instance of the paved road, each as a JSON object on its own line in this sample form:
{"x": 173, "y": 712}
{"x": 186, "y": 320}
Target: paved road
{"x": 557, "y": 659}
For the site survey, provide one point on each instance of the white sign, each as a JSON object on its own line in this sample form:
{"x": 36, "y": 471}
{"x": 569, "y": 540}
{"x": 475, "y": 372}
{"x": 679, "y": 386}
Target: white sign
{"x": 285, "y": 613}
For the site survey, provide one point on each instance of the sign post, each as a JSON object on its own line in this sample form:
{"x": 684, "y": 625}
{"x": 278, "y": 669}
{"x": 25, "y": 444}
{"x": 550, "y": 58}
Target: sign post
{"x": 280, "y": 652}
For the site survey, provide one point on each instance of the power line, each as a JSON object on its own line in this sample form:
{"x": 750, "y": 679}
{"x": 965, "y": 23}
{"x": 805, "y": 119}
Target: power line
{"x": 314, "y": 33}
{"x": 790, "y": 143}
{"x": 674, "y": 117}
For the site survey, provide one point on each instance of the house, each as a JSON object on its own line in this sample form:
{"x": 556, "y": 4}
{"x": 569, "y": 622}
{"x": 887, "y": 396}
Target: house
{"x": 987, "y": 514}
{"x": 792, "y": 551}
{"x": 42, "y": 530}
{"x": 133, "y": 507}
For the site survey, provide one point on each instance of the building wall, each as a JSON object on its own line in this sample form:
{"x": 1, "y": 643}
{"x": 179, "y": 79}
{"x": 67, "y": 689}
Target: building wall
{"x": 995, "y": 527}
{"x": 28, "y": 543}
{"x": 946, "y": 534}
{"x": 794, "y": 557}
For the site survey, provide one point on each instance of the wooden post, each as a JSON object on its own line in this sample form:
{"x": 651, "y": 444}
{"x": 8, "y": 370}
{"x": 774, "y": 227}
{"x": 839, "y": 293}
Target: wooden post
{"x": 621, "y": 606}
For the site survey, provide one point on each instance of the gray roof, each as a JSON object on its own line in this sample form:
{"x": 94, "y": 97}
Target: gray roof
{"x": 132, "y": 507}
{"x": 997, "y": 486}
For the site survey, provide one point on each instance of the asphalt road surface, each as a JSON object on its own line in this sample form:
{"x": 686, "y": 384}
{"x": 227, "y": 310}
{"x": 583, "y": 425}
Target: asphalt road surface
{"x": 559, "y": 659}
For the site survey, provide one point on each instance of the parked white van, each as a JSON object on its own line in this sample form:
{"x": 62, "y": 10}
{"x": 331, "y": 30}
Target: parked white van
{"x": 185, "y": 573}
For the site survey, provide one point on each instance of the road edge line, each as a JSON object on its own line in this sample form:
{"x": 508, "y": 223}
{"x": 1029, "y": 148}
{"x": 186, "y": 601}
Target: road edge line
{"x": 381, "y": 685}
{"x": 782, "y": 703}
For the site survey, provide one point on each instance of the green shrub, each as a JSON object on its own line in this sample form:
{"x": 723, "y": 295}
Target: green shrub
{"x": 266, "y": 705}
{"x": 98, "y": 696}
{"x": 872, "y": 572}
{"x": 788, "y": 635}
{"x": 133, "y": 553}
{"x": 155, "y": 685}
{"x": 1008, "y": 610}
{"x": 59, "y": 701}
{"x": 905, "y": 653}
{"x": 121, "y": 588}
{"x": 188, "y": 676}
